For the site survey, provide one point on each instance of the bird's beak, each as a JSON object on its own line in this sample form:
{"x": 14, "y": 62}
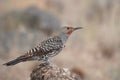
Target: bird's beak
{"x": 78, "y": 28}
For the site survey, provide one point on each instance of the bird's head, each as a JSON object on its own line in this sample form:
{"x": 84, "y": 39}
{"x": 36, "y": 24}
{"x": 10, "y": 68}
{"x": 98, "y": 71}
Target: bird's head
{"x": 68, "y": 29}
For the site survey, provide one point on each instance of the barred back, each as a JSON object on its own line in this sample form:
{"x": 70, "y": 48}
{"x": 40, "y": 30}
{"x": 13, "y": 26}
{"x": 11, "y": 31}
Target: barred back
{"x": 46, "y": 47}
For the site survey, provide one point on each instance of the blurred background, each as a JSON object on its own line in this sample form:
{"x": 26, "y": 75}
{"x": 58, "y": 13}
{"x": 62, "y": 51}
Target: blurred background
{"x": 93, "y": 52}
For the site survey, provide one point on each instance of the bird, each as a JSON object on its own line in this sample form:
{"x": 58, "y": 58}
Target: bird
{"x": 47, "y": 48}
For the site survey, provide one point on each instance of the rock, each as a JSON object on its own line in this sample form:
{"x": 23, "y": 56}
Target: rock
{"x": 53, "y": 72}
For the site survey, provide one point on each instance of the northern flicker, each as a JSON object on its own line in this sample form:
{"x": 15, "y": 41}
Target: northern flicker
{"x": 47, "y": 49}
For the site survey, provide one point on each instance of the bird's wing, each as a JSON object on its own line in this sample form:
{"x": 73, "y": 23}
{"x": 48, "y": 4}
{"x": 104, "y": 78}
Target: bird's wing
{"x": 50, "y": 47}
{"x": 31, "y": 53}
{"x": 52, "y": 44}
{"x": 46, "y": 47}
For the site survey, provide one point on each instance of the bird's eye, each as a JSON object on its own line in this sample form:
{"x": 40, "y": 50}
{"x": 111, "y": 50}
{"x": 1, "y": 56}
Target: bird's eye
{"x": 68, "y": 28}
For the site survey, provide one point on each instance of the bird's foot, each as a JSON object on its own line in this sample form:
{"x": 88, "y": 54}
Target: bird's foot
{"x": 44, "y": 63}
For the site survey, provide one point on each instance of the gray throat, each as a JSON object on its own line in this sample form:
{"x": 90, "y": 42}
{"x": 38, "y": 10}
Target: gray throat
{"x": 64, "y": 37}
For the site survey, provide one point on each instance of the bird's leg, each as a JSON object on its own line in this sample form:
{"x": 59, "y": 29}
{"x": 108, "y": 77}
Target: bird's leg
{"x": 46, "y": 58}
{"x": 46, "y": 61}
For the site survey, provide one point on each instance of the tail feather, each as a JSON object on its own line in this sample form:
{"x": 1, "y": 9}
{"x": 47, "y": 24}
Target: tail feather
{"x": 18, "y": 60}
{"x": 22, "y": 58}
{"x": 13, "y": 62}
